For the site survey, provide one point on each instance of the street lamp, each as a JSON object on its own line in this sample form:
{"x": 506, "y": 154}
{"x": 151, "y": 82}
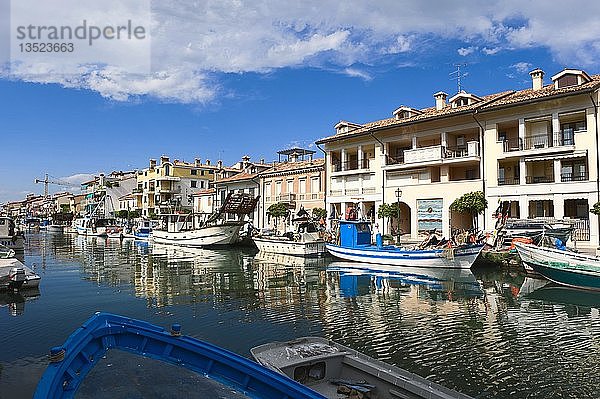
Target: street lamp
{"x": 398, "y": 195}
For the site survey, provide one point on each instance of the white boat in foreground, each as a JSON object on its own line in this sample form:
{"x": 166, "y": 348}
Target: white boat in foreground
{"x": 355, "y": 245}
{"x": 336, "y": 371}
{"x": 14, "y": 274}
{"x": 305, "y": 241}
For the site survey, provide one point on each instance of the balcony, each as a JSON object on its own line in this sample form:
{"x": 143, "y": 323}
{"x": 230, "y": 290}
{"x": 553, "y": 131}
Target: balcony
{"x": 336, "y": 193}
{"x": 509, "y": 181}
{"x": 539, "y": 179}
{"x": 169, "y": 190}
{"x": 539, "y": 141}
{"x": 425, "y": 154}
{"x": 290, "y": 197}
{"x": 567, "y": 177}
{"x": 350, "y": 165}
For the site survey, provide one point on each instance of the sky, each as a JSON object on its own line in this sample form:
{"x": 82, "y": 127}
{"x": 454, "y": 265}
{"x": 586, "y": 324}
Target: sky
{"x": 219, "y": 79}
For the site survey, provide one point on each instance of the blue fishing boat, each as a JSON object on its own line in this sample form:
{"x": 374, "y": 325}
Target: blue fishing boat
{"x": 562, "y": 266}
{"x": 71, "y": 362}
{"x": 355, "y": 245}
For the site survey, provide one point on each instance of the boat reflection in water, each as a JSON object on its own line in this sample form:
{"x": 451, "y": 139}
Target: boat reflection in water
{"x": 543, "y": 290}
{"x": 15, "y": 301}
{"x": 289, "y": 260}
{"x": 435, "y": 283}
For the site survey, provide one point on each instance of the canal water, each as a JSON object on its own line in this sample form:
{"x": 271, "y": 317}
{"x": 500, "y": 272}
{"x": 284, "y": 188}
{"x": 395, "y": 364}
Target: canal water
{"x": 487, "y": 333}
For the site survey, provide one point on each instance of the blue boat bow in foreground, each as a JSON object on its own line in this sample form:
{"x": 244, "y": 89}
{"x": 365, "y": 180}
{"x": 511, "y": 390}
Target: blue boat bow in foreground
{"x": 70, "y": 363}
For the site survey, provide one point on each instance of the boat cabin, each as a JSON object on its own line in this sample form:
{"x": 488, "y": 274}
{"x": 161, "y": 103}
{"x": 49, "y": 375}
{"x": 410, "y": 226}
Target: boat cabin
{"x": 354, "y": 233}
{"x": 7, "y": 227}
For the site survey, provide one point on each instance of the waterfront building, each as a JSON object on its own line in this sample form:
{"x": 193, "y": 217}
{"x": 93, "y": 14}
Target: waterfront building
{"x": 297, "y": 181}
{"x": 102, "y": 193}
{"x": 167, "y": 187}
{"x": 535, "y": 148}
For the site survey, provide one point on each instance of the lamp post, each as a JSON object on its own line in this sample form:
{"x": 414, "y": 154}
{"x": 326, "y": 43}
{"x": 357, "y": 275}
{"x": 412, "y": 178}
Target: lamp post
{"x": 398, "y": 195}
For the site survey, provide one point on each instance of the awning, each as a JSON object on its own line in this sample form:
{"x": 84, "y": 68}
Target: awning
{"x": 550, "y": 157}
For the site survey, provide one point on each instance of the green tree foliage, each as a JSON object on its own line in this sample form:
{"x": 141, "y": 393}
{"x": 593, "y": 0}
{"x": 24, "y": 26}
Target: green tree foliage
{"x": 319, "y": 213}
{"x": 473, "y": 203}
{"x": 389, "y": 211}
{"x": 277, "y": 211}
{"x": 596, "y": 209}
{"x": 65, "y": 208}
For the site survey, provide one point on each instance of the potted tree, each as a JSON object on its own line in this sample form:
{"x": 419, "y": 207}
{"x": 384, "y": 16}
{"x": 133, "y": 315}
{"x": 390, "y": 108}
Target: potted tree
{"x": 473, "y": 203}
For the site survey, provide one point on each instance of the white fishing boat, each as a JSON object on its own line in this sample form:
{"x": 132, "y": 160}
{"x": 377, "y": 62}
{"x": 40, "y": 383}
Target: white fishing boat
{"x": 96, "y": 226}
{"x": 355, "y": 245}
{"x": 141, "y": 230}
{"x": 182, "y": 229}
{"x": 305, "y": 241}
{"x": 10, "y": 237}
{"x": 336, "y": 371}
{"x": 14, "y": 274}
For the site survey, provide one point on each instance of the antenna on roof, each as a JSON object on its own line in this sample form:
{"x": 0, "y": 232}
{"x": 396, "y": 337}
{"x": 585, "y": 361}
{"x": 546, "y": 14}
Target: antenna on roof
{"x": 458, "y": 75}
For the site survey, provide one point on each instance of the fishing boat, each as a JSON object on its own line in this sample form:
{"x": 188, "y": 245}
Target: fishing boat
{"x": 10, "y": 237}
{"x": 562, "y": 266}
{"x": 97, "y": 226}
{"x": 306, "y": 240}
{"x": 355, "y": 245}
{"x": 85, "y": 347}
{"x": 141, "y": 230}
{"x": 336, "y": 371}
{"x": 14, "y": 274}
{"x": 182, "y": 229}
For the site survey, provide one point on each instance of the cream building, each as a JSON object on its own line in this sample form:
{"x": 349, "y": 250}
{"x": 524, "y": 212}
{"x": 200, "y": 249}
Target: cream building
{"x": 167, "y": 187}
{"x": 536, "y": 148}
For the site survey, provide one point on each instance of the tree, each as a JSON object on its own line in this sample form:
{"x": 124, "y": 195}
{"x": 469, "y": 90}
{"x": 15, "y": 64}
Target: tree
{"x": 596, "y": 209}
{"x": 473, "y": 203}
{"x": 277, "y": 211}
{"x": 389, "y": 211}
{"x": 65, "y": 208}
{"x": 319, "y": 213}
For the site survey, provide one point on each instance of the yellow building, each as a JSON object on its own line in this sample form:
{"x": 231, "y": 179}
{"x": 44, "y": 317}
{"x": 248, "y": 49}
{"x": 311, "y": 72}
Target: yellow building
{"x": 536, "y": 148}
{"x": 167, "y": 187}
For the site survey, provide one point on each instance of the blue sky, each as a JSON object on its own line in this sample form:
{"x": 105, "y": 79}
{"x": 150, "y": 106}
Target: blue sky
{"x": 230, "y": 79}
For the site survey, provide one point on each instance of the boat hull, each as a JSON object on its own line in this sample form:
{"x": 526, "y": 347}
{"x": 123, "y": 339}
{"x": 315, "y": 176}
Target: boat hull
{"x": 284, "y": 246}
{"x": 225, "y": 234}
{"x": 562, "y": 267}
{"x": 461, "y": 258}
{"x": 16, "y": 243}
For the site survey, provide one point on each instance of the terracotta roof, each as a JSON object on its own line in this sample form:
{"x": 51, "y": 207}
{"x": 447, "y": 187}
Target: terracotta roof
{"x": 239, "y": 177}
{"x": 203, "y": 192}
{"x": 488, "y": 103}
{"x": 291, "y": 166}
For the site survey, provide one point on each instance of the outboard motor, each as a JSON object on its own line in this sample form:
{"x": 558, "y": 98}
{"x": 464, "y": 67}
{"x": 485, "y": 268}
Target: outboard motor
{"x": 16, "y": 277}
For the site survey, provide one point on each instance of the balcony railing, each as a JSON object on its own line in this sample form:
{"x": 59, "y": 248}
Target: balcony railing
{"x": 350, "y": 165}
{"x": 513, "y": 144}
{"x": 335, "y": 193}
{"x": 564, "y": 137}
{"x": 565, "y": 177}
{"x": 286, "y": 197}
{"x": 433, "y": 153}
{"x": 539, "y": 179}
{"x": 509, "y": 181}
{"x": 395, "y": 160}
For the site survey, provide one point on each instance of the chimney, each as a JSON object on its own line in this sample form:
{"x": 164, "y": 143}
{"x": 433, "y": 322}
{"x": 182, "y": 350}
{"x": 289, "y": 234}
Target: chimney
{"x": 197, "y": 162}
{"x": 164, "y": 159}
{"x": 152, "y": 163}
{"x": 262, "y": 161}
{"x": 220, "y": 164}
{"x": 245, "y": 161}
{"x": 537, "y": 78}
{"x": 440, "y": 100}
{"x": 208, "y": 161}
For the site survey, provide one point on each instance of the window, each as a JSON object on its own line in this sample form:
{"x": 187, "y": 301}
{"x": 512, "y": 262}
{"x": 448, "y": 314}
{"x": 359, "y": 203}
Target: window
{"x": 193, "y": 171}
{"x": 201, "y": 183}
{"x": 470, "y": 174}
{"x": 167, "y": 170}
{"x": 193, "y": 183}
{"x": 302, "y": 186}
{"x": 315, "y": 185}
{"x": 289, "y": 186}
{"x": 278, "y": 188}
{"x": 567, "y": 80}
{"x": 267, "y": 189}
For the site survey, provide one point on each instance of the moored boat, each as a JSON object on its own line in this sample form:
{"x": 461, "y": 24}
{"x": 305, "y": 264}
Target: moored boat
{"x": 10, "y": 237}
{"x": 355, "y": 245}
{"x": 141, "y": 230}
{"x": 97, "y": 226}
{"x": 71, "y": 362}
{"x": 336, "y": 371}
{"x": 305, "y": 241}
{"x": 14, "y": 274}
{"x": 562, "y": 266}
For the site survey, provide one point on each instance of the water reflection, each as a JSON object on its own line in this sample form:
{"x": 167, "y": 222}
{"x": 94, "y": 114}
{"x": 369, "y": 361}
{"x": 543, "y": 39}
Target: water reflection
{"x": 490, "y": 333}
{"x": 432, "y": 283}
{"x": 15, "y": 301}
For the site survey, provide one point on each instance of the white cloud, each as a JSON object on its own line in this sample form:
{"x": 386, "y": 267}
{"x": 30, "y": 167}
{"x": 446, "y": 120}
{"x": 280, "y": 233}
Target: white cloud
{"x": 464, "y": 51}
{"x": 522, "y": 67}
{"x": 194, "y": 42}
{"x": 76, "y": 179}
{"x": 357, "y": 73}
